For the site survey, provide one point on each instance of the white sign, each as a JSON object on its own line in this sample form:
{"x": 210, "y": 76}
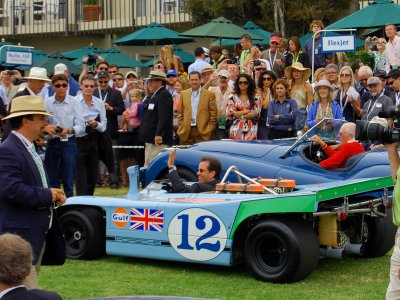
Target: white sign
{"x": 18, "y": 58}
{"x": 339, "y": 43}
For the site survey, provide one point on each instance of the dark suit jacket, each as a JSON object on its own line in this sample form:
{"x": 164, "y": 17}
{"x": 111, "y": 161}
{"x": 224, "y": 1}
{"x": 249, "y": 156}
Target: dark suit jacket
{"x": 24, "y": 202}
{"x": 157, "y": 117}
{"x": 114, "y": 99}
{"x": 6, "y": 124}
{"x": 24, "y": 293}
{"x": 179, "y": 187}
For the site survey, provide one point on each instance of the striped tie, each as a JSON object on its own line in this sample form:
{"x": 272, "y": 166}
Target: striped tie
{"x": 39, "y": 165}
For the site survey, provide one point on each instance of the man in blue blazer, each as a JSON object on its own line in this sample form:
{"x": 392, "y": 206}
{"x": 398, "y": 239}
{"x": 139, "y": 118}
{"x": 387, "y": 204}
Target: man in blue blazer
{"x": 26, "y": 202}
{"x": 15, "y": 264}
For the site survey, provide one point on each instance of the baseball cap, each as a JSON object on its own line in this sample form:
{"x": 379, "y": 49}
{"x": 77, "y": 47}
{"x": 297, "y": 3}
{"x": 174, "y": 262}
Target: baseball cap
{"x": 131, "y": 72}
{"x": 59, "y": 69}
{"x": 206, "y": 51}
{"x": 103, "y": 74}
{"x": 223, "y": 73}
{"x": 274, "y": 39}
{"x": 171, "y": 73}
{"x": 395, "y": 73}
{"x": 373, "y": 81}
{"x": 380, "y": 73}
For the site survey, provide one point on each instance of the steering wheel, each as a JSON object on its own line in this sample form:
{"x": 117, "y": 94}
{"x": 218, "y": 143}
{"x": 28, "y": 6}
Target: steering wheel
{"x": 316, "y": 153}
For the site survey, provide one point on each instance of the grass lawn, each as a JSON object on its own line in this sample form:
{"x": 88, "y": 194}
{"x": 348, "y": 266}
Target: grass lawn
{"x": 121, "y": 276}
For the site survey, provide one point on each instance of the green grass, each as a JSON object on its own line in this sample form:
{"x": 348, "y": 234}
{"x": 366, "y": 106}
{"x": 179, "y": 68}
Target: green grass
{"x": 121, "y": 276}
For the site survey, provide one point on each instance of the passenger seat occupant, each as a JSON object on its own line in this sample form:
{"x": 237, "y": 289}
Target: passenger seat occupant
{"x": 208, "y": 174}
{"x": 347, "y": 148}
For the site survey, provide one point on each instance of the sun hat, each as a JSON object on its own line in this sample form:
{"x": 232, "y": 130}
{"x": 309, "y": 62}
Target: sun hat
{"x": 38, "y": 74}
{"x": 60, "y": 69}
{"x": 373, "y": 81}
{"x": 325, "y": 83}
{"x": 157, "y": 75}
{"x": 298, "y": 66}
{"x": 27, "y": 105}
{"x": 207, "y": 68}
{"x": 223, "y": 73}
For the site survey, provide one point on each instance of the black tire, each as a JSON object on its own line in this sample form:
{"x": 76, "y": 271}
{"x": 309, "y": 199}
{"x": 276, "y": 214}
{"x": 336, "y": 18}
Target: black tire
{"x": 281, "y": 250}
{"x": 375, "y": 234}
{"x": 84, "y": 232}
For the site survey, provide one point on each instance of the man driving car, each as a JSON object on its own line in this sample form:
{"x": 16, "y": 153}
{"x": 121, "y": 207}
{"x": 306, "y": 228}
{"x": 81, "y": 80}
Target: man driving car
{"x": 208, "y": 173}
{"x": 348, "y": 147}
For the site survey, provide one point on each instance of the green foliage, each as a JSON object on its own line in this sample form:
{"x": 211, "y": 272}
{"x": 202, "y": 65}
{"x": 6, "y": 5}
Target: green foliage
{"x": 90, "y": 2}
{"x": 363, "y": 56}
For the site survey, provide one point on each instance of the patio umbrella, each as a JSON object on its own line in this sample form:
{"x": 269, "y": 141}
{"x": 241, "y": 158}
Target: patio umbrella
{"x": 378, "y": 13}
{"x": 82, "y": 52}
{"x": 154, "y": 34}
{"x": 114, "y": 56}
{"x": 185, "y": 57}
{"x": 56, "y": 58}
{"x": 304, "y": 38}
{"x": 220, "y": 28}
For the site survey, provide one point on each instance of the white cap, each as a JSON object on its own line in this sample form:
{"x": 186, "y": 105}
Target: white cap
{"x": 60, "y": 68}
{"x": 206, "y": 51}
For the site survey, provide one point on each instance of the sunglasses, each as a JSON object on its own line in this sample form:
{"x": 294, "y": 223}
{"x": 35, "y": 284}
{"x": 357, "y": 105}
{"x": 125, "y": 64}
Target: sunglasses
{"x": 260, "y": 69}
{"x": 389, "y": 83}
{"x": 243, "y": 82}
{"x": 118, "y": 79}
{"x": 345, "y": 75}
{"x": 274, "y": 43}
{"x": 87, "y": 86}
{"x": 103, "y": 81}
{"x": 60, "y": 85}
{"x": 103, "y": 69}
{"x": 266, "y": 78}
{"x": 112, "y": 72}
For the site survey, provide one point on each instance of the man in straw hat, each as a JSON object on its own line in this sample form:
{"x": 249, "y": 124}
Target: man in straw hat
{"x": 156, "y": 127}
{"x": 26, "y": 202}
{"x": 37, "y": 79}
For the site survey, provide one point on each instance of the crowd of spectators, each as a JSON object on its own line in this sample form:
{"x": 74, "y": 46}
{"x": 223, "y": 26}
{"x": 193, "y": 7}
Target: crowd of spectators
{"x": 107, "y": 120}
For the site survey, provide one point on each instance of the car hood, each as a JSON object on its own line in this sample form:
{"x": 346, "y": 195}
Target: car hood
{"x": 246, "y": 148}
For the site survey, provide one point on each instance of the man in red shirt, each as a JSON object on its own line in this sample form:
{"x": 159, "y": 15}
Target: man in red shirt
{"x": 348, "y": 147}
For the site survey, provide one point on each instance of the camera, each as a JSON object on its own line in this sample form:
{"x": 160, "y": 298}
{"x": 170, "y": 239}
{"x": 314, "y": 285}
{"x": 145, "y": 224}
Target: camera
{"x": 9, "y": 73}
{"x": 91, "y": 59}
{"x": 373, "y": 131}
{"x": 232, "y": 61}
{"x": 58, "y": 129}
{"x": 257, "y": 63}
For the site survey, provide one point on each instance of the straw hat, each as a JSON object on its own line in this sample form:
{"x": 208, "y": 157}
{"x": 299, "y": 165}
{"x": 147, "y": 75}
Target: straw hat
{"x": 38, "y": 74}
{"x": 157, "y": 75}
{"x": 27, "y": 105}
{"x": 325, "y": 83}
{"x": 298, "y": 66}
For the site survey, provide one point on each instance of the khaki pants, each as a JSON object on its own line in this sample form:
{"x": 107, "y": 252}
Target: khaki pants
{"x": 151, "y": 151}
{"x": 393, "y": 290}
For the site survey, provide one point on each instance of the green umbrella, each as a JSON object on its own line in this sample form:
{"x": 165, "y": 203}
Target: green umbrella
{"x": 154, "y": 34}
{"x": 378, "y": 13}
{"x": 114, "y": 56}
{"x": 178, "y": 51}
{"x": 82, "y": 52}
{"x": 56, "y": 58}
{"x": 220, "y": 28}
{"x": 304, "y": 38}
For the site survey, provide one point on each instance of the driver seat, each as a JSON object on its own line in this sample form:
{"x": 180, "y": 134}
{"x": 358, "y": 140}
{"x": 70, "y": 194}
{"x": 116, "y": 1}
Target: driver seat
{"x": 352, "y": 161}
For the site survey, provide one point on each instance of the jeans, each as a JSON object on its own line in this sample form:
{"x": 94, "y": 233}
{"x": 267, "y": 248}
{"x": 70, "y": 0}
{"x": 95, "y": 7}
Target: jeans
{"x": 60, "y": 162}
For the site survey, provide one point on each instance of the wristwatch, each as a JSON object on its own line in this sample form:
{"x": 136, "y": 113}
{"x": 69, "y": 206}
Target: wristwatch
{"x": 171, "y": 169}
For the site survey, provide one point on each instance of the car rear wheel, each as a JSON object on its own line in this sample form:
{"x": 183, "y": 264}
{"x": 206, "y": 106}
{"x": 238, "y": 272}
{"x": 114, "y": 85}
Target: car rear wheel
{"x": 84, "y": 233}
{"x": 281, "y": 250}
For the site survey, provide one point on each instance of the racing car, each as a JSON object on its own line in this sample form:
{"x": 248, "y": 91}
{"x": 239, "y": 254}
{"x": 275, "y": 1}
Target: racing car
{"x": 287, "y": 158}
{"x": 277, "y": 228}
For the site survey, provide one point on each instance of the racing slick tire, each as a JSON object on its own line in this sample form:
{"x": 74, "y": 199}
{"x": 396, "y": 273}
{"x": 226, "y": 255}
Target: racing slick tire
{"x": 281, "y": 250}
{"x": 84, "y": 232}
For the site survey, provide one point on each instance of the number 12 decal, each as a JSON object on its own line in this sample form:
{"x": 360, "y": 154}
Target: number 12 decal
{"x": 197, "y": 234}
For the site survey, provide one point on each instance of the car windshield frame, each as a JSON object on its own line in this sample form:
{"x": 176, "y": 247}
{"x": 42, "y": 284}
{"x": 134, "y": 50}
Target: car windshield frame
{"x": 337, "y": 123}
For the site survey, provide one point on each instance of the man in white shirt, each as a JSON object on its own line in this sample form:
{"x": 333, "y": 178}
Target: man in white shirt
{"x": 392, "y": 48}
{"x": 199, "y": 62}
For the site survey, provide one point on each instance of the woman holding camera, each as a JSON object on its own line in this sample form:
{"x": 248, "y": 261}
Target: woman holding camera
{"x": 243, "y": 109}
{"x": 376, "y": 47}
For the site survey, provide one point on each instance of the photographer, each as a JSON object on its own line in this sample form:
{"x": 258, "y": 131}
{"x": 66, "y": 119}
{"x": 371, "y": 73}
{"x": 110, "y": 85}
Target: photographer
{"x": 393, "y": 289}
{"x": 376, "y": 47}
{"x": 91, "y": 60}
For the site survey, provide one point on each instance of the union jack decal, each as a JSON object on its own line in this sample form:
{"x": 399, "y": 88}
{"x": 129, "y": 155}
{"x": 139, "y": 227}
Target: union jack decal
{"x": 146, "y": 219}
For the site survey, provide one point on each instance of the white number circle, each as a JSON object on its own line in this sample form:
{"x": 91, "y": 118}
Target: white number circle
{"x": 197, "y": 234}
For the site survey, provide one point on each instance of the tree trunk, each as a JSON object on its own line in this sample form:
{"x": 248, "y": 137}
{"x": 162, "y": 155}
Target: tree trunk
{"x": 276, "y": 14}
{"x": 281, "y": 11}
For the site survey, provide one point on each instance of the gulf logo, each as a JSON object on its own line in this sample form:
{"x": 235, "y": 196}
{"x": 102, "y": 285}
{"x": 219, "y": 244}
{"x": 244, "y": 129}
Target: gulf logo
{"x": 120, "y": 217}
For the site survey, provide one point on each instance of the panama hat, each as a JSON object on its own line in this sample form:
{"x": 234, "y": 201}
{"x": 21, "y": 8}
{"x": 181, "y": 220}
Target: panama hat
{"x": 27, "y": 105}
{"x": 325, "y": 83}
{"x": 157, "y": 75}
{"x": 298, "y": 66}
{"x": 38, "y": 74}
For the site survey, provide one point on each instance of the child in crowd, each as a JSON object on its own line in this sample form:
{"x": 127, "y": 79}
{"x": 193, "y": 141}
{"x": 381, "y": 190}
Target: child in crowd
{"x": 132, "y": 112}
